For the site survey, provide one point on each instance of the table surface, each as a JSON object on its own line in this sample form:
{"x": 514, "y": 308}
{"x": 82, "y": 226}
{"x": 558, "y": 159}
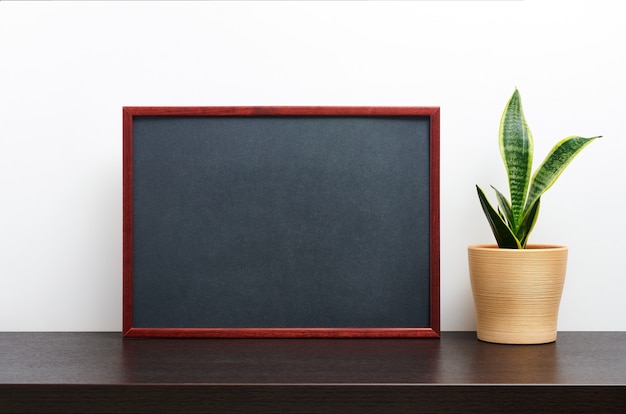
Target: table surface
{"x": 455, "y": 358}
{"x": 101, "y": 372}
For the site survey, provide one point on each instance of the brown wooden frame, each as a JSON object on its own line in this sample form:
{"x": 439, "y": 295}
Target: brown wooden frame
{"x": 130, "y": 331}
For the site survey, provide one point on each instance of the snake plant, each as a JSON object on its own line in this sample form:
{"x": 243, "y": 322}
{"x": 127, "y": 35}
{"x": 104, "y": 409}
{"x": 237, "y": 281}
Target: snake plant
{"x": 514, "y": 219}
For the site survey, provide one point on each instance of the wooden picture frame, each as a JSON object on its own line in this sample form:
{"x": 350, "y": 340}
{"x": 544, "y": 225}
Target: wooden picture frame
{"x": 281, "y": 222}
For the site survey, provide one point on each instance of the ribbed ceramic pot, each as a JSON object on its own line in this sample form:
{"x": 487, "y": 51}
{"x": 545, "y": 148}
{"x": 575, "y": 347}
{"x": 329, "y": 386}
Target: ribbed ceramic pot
{"x": 517, "y": 293}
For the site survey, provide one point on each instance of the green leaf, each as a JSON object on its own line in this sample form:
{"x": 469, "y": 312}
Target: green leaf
{"x": 516, "y": 148}
{"x": 527, "y": 225}
{"x": 504, "y": 237}
{"x": 504, "y": 206}
{"x": 559, "y": 157}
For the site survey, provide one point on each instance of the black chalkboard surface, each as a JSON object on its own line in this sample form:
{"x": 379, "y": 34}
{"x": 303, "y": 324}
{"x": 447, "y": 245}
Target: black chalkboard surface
{"x": 281, "y": 222}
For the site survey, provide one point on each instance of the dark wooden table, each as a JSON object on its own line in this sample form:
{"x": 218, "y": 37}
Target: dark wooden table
{"x": 103, "y": 373}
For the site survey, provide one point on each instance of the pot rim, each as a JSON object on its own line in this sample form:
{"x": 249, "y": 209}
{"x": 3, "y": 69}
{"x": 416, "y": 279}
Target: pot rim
{"x": 533, "y": 247}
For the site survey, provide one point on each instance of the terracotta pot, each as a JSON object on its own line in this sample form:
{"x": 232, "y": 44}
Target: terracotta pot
{"x": 517, "y": 293}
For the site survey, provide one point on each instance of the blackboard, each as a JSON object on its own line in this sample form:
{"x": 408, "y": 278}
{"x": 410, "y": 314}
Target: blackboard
{"x": 281, "y": 222}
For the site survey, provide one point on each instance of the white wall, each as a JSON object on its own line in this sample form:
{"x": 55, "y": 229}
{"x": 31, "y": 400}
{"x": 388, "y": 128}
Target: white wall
{"x": 67, "y": 68}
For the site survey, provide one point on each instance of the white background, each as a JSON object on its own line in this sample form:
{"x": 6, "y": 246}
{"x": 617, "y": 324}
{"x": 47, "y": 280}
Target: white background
{"x": 67, "y": 68}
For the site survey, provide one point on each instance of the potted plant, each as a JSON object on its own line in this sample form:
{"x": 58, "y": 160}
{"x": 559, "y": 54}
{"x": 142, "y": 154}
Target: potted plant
{"x": 517, "y": 286}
